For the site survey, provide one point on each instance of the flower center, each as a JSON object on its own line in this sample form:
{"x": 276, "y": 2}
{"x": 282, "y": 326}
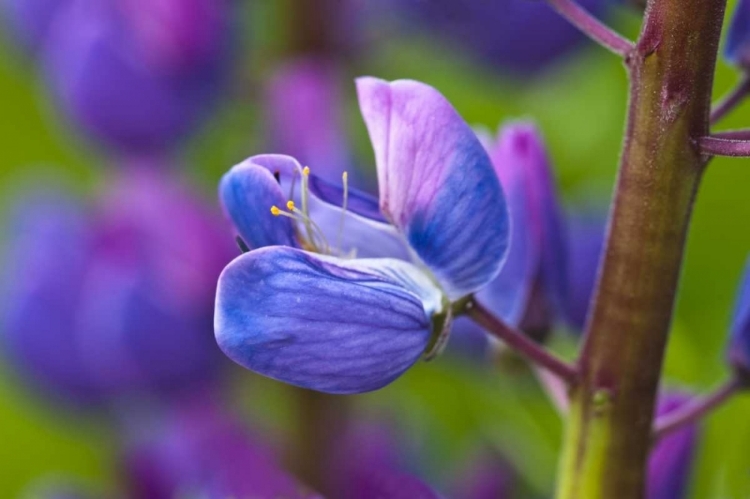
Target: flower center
{"x": 310, "y": 234}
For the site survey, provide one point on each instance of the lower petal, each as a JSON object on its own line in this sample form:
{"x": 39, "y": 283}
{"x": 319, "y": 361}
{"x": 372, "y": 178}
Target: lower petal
{"x": 324, "y": 323}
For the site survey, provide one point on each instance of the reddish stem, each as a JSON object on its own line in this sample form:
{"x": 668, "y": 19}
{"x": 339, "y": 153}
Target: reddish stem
{"x": 592, "y": 27}
{"x": 520, "y": 342}
{"x": 729, "y": 102}
{"x": 719, "y": 146}
{"x": 695, "y": 409}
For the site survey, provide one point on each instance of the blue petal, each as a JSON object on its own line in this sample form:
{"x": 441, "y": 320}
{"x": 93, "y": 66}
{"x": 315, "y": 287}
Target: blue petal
{"x": 357, "y": 201}
{"x": 332, "y": 325}
{"x": 247, "y": 193}
{"x": 437, "y": 184}
{"x": 737, "y": 50}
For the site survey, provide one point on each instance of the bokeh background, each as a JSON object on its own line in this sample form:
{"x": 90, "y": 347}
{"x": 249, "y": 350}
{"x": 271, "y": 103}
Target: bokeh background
{"x": 445, "y": 407}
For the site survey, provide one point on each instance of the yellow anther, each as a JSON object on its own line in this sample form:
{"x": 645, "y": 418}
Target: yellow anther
{"x": 345, "y": 176}
{"x": 290, "y": 205}
{"x": 306, "y": 171}
{"x": 275, "y": 211}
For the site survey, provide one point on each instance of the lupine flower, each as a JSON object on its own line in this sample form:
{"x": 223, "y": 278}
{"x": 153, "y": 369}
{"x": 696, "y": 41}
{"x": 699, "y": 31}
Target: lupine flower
{"x": 672, "y": 458}
{"x": 139, "y": 75}
{"x": 299, "y": 309}
{"x": 369, "y": 465}
{"x": 739, "y": 347}
{"x": 529, "y": 292}
{"x": 305, "y": 116}
{"x": 585, "y": 244}
{"x": 737, "y": 50}
{"x": 115, "y": 298}
{"x": 31, "y": 21}
{"x": 516, "y": 35}
{"x": 197, "y": 449}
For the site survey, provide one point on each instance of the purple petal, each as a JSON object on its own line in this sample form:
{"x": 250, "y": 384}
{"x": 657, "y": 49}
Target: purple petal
{"x": 739, "y": 349}
{"x": 436, "y": 182}
{"x": 247, "y": 193}
{"x": 358, "y": 202}
{"x": 672, "y": 458}
{"x": 737, "y": 49}
{"x": 324, "y": 323}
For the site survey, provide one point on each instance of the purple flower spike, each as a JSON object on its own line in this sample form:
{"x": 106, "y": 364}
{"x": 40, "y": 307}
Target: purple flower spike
{"x": 198, "y": 450}
{"x": 123, "y": 304}
{"x": 139, "y": 75}
{"x": 31, "y": 21}
{"x": 737, "y": 50}
{"x": 585, "y": 244}
{"x": 517, "y": 35}
{"x": 739, "y": 349}
{"x": 436, "y": 183}
{"x": 672, "y": 458}
{"x": 324, "y": 323}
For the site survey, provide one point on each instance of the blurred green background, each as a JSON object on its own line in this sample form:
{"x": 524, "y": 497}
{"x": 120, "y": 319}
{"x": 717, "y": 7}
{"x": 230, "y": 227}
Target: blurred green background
{"x": 580, "y": 107}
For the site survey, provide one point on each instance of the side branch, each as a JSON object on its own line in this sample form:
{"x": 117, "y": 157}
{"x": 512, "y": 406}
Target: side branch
{"x": 592, "y": 27}
{"x": 695, "y": 409}
{"x": 520, "y": 342}
{"x": 731, "y": 100}
{"x": 716, "y": 145}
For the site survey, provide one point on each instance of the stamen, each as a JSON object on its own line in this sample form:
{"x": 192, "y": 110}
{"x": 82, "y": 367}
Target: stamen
{"x": 275, "y": 211}
{"x": 345, "y": 182}
{"x": 290, "y": 205}
{"x": 315, "y": 231}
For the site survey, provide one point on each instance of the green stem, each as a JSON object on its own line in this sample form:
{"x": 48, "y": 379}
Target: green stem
{"x": 609, "y": 429}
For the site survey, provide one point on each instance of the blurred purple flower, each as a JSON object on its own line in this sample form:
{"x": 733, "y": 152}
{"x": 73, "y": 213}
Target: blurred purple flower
{"x": 299, "y": 309}
{"x": 521, "y": 36}
{"x": 305, "y": 121}
{"x": 672, "y": 457}
{"x": 369, "y": 465}
{"x": 198, "y": 450}
{"x": 139, "y": 75}
{"x": 737, "y": 49}
{"x": 117, "y": 298}
{"x": 585, "y": 244}
{"x": 739, "y": 345}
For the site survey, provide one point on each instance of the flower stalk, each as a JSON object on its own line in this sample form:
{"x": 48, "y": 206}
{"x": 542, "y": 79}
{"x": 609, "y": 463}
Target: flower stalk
{"x": 671, "y": 76}
{"x": 592, "y": 27}
{"x": 733, "y": 99}
{"x": 520, "y": 342}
